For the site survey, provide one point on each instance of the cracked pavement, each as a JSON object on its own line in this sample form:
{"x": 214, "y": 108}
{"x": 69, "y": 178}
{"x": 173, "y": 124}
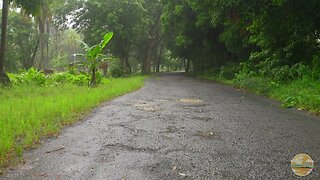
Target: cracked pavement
{"x": 178, "y": 127}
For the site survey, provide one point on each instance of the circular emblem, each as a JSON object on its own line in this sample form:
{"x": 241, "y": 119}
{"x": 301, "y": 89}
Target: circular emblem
{"x": 302, "y": 165}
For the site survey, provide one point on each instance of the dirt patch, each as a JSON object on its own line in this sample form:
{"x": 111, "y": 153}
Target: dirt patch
{"x": 191, "y": 101}
{"x": 146, "y": 106}
{"x": 163, "y": 100}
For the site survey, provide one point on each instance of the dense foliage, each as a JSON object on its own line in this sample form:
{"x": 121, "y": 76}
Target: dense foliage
{"x": 35, "y": 77}
{"x": 267, "y": 35}
{"x": 270, "y": 47}
{"x": 201, "y": 35}
{"x": 136, "y": 25}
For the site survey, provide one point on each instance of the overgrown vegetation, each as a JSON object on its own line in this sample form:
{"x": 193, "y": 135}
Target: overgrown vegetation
{"x": 270, "y": 47}
{"x": 94, "y": 55}
{"x": 37, "y": 105}
{"x": 296, "y": 86}
{"x": 33, "y": 76}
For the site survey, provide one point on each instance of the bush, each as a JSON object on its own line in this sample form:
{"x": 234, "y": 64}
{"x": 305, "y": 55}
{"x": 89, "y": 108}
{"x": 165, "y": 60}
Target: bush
{"x": 229, "y": 71}
{"x": 316, "y": 68}
{"x": 80, "y": 79}
{"x": 30, "y": 76}
{"x": 38, "y": 77}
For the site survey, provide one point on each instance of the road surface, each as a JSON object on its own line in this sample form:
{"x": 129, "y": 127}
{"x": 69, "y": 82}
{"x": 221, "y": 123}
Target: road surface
{"x": 177, "y": 127}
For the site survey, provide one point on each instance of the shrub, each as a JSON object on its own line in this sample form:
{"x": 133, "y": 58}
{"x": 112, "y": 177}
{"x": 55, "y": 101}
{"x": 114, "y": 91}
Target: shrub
{"x": 30, "y": 76}
{"x": 77, "y": 79}
{"x": 229, "y": 71}
{"x": 38, "y": 77}
{"x": 316, "y": 68}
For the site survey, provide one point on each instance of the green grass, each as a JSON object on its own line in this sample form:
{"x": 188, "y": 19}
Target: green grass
{"x": 30, "y": 112}
{"x": 302, "y": 93}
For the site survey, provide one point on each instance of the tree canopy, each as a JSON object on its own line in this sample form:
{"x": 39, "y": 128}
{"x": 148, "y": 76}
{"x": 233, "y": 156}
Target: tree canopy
{"x": 202, "y": 34}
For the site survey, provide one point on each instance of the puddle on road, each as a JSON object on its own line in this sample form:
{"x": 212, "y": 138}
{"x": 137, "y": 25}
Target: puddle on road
{"x": 207, "y": 134}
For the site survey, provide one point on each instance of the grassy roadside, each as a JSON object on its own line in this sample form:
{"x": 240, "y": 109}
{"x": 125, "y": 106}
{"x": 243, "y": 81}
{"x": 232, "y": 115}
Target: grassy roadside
{"x": 30, "y": 112}
{"x": 303, "y": 94}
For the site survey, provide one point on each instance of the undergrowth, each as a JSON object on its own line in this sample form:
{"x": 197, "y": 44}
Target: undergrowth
{"x": 295, "y": 86}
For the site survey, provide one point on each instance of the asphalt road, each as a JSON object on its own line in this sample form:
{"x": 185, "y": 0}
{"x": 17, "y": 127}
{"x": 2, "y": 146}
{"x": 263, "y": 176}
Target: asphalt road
{"x": 178, "y": 127}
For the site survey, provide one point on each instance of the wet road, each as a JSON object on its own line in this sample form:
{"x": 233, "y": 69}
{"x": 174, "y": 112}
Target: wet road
{"x": 178, "y": 127}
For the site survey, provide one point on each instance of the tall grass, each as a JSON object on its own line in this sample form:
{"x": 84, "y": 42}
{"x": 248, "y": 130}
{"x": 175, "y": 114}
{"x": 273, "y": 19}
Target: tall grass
{"x": 29, "y": 112}
{"x": 303, "y": 93}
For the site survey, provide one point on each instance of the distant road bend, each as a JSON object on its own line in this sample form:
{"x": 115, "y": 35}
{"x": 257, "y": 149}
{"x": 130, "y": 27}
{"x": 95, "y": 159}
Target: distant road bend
{"x": 177, "y": 127}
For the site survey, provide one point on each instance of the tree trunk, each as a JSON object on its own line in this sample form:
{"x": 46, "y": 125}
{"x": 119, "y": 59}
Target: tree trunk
{"x": 46, "y": 60}
{"x": 93, "y": 81}
{"x": 29, "y": 62}
{"x": 159, "y": 58}
{"x": 187, "y": 65}
{"x": 126, "y": 64}
{"x": 4, "y": 79}
{"x": 41, "y": 41}
{"x": 146, "y": 61}
{"x": 33, "y": 57}
{"x": 42, "y": 33}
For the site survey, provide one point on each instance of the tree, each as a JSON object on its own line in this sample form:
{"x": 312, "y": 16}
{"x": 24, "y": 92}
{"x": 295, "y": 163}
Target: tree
{"x": 136, "y": 23}
{"x": 4, "y": 79}
{"x": 280, "y": 31}
{"x": 195, "y": 43}
{"x": 30, "y": 7}
{"x": 94, "y": 55}
{"x": 150, "y": 44}
{"x": 22, "y": 42}
{"x": 42, "y": 18}
{"x": 124, "y": 18}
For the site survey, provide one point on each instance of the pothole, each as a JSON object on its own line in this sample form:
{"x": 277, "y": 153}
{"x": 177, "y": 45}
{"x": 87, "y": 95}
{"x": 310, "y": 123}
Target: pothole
{"x": 206, "y": 119}
{"x": 118, "y": 146}
{"x": 207, "y": 134}
{"x": 149, "y": 108}
{"x": 146, "y": 106}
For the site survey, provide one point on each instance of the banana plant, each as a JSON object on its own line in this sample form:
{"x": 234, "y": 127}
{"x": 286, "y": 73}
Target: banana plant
{"x": 94, "y": 55}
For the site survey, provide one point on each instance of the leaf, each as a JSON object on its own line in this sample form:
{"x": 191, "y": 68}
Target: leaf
{"x": 94, "y": 51}
{"x": 290, "y": 102}
{"x": 106, "y": 39}
{"x": 84, "y": 46}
